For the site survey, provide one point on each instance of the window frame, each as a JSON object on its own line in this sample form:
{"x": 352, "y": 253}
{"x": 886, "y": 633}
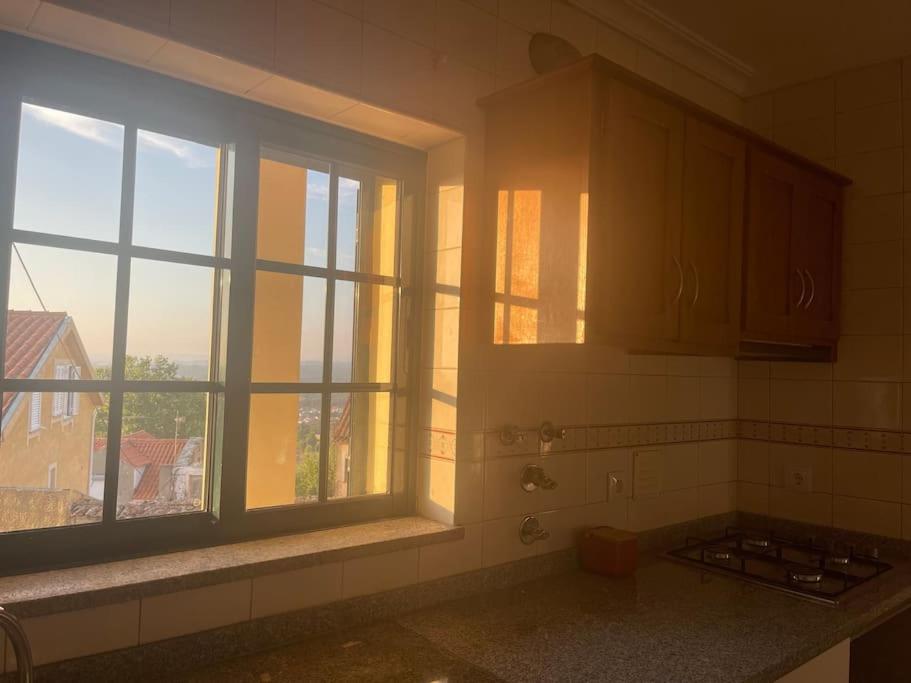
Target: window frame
{"x": 64, "y": 79}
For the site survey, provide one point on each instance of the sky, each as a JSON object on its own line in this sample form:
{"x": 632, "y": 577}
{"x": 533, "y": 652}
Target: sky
{"x": 69, "y": 183}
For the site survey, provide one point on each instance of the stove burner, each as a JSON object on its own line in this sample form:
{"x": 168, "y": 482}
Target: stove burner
{"x": 842, "y": 560}
{"x": 801, "y": 574}
{"x": 755, "y": 542}
{"x": 720, "y": 554}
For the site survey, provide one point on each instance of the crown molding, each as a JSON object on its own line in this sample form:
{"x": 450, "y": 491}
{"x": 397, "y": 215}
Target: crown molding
{"x": 642, "y": 22}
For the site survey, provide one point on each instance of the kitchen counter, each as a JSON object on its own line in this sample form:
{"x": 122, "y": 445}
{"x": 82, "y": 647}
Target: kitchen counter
{"x": 668, "y": 622}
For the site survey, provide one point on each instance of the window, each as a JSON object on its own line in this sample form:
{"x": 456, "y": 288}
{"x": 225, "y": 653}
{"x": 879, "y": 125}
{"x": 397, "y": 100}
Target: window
{"x": 324, "y": 332}
{"x": 211, "y": 298}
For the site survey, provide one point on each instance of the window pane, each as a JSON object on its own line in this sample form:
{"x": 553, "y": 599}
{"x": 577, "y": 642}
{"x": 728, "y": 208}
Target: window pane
{"x": 283, "y": 450}
{"x": 293, "y": 222}
{"x": 162, "y": 454}
{"x": 170, "y": 319}
{"x": 363, "y": 332}
{"x": 349, "y": 199}
{"x": 288, "y": 328}
{"x": 77, "y": 289}
{"x": 360, "y": 446}
{"x": 367, "y": 225}
{"x": 49, "y": 475}
{"x": 176, "y": 200}
{"x": 69, "y": 174}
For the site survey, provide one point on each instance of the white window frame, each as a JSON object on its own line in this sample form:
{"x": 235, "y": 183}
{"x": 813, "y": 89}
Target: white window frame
{"x": 34, "y": 413}
{"x": 52, "y": 476}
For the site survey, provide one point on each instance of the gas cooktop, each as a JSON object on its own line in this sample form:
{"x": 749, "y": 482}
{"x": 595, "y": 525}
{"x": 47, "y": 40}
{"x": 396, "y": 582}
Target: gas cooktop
{"x": 806, "y": 568}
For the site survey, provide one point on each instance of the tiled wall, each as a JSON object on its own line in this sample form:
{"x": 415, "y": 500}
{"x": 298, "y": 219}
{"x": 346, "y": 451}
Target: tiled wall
{"x": 857, "y": 122}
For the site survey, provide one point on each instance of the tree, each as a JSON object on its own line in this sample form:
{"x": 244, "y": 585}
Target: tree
{"x": 158, "y": 413}
{"x": 307, "y": 473}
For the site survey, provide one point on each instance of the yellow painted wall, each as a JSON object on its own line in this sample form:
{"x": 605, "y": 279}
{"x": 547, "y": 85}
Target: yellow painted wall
{"x": 272, "y": 450}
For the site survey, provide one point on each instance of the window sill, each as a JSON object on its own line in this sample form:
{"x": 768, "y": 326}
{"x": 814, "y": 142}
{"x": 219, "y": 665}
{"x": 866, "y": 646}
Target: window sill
{"x": 62, "y": 590}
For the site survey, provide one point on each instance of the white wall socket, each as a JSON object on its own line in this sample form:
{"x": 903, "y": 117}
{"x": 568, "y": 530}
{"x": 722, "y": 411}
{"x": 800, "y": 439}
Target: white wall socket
{"x": 798, "y": 478}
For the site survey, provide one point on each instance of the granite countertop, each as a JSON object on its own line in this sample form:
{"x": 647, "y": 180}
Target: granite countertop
{"x": 668, "y": 622}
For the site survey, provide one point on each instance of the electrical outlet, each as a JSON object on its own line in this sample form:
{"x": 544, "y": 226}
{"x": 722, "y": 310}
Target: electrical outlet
{"x": 616, "y": 486}
{"x": 798, "y": 478}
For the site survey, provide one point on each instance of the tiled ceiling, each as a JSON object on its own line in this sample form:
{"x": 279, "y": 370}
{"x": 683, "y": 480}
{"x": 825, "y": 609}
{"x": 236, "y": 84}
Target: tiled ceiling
{"x": 788, "y": 41}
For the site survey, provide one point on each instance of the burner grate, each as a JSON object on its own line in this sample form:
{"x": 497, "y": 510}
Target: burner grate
{"x": 799, "y": 567}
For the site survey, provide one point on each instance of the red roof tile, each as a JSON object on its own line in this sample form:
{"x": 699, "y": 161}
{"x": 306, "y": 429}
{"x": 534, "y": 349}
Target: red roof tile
{"x": 141, "y": 449}
{"x": 28, "y": 334}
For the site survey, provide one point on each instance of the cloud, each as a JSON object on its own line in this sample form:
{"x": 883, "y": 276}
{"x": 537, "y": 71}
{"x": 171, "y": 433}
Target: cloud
{"x": 192, "y": 154}
{"x": 103, "y": 132}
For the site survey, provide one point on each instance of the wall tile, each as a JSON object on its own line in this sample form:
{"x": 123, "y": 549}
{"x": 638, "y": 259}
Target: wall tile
{"x": 753, "y": 498}
{"x": 513, "y": 64}
{"x": 812, "y": 138}
{"x": 614, "y": 513}
{"x": 867, "y": 129}
{"x": 717, "y": 398}
{"x": 573, "y": 25}
{"x": 198, "y": 609}
{"x": 397, "y": 72}
{"x": 754, "y": 369}
{"x": 870, "y": 405}
{"x": 716, "y": 499}
{"x": 456, "y": 557}
{"x": 501, "y": 544}
{"x": 868, "y": 86}
{"x": 673, "y": 507}
{"x": 754, "y": 400}
{"x": 236, "y": 27}
{"x": 873, "y": 173}
{"x": 817, "y": 459}
{"x": 753, "y": 461}
{"x": 868, "y": 266}
{"x": 810, "y": 508}
{"x": 682, "y": 399}
{"x": 456, "y": 89}
{"x": 906, "y": 522}
{"x": 296, "y": 589}
{"x": 873, "y": 219}
{"x": 801, "y": 401}
{"x": 310, "y": 36}
{"x": 615, "y": 46}
{"x": 681, "y": 466}
{"x": 82, "y": 632}
{"x": 871, "y": 357}
{"x": 436, "y": 488}
{"x": 797, "y": 370}
{"x": 683, "y": 366}
{"x": 872, "y": 311}
{"x": 565, "y": 526}
{"x": 411, "y": 19}
{"x": 531, "y": 15}
{"x": 868, "y": 516}
{"x": 868, "y": 474}
{"x": 717, "y": 461}
{"x": 647, "y": 398}
{"x": 467, "y": 33}
{"x": 805, "y": 101}
{"x": 376, "y": 573}
{"x": 607, "y": 398}
{"x": 469, "y": 491}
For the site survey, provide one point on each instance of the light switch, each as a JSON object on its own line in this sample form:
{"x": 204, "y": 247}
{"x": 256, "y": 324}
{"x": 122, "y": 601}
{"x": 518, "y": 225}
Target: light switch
{"x": 647, "y": 473}
{"x": 798, "y": 478}
{"x": 617, "y": 486}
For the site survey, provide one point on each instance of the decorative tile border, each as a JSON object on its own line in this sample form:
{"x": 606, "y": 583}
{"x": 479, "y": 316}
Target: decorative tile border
{"x": 839, "y": 437}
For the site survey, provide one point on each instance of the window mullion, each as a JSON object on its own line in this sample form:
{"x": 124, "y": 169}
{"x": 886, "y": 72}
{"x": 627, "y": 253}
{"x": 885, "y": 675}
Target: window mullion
{"x": 121, "y": 308}
{"x": 329, "y": 338}
{"x": 9, "y": 143}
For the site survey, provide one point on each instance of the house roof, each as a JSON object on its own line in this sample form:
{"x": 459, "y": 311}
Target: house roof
{"x": 28, "y": 335}
{"x": 142, "y": 450}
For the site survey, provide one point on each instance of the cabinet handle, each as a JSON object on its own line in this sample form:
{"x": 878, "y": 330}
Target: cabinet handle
{"x": 812, "y": 296}
{"x": 680, "y": 277}
{"x": 696, "y": 279}
{"x": 803, "y": 287}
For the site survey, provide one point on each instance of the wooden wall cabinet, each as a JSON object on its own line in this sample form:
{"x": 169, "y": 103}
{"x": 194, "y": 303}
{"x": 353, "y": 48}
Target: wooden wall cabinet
{"x": 666, "y": 228}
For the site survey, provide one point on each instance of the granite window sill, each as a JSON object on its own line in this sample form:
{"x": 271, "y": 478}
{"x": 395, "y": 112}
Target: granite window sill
{"x": 62, "y": 590}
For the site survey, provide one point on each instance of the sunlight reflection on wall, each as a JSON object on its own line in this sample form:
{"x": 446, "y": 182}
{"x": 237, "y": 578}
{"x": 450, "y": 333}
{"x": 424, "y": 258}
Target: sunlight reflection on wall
{"x": 539, "y": 292}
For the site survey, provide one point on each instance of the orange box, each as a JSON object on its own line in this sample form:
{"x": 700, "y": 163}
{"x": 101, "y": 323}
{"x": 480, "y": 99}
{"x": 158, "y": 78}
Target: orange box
{"x": 608, "y": 551}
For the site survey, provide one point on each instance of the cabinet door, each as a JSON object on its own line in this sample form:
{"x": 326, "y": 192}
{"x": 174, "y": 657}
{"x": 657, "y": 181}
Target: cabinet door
{"x": 816, "y": 252}
{"x": 635, "y": 256}
{"x": 772, "y": 284}
{"x": 713, "y": 188}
